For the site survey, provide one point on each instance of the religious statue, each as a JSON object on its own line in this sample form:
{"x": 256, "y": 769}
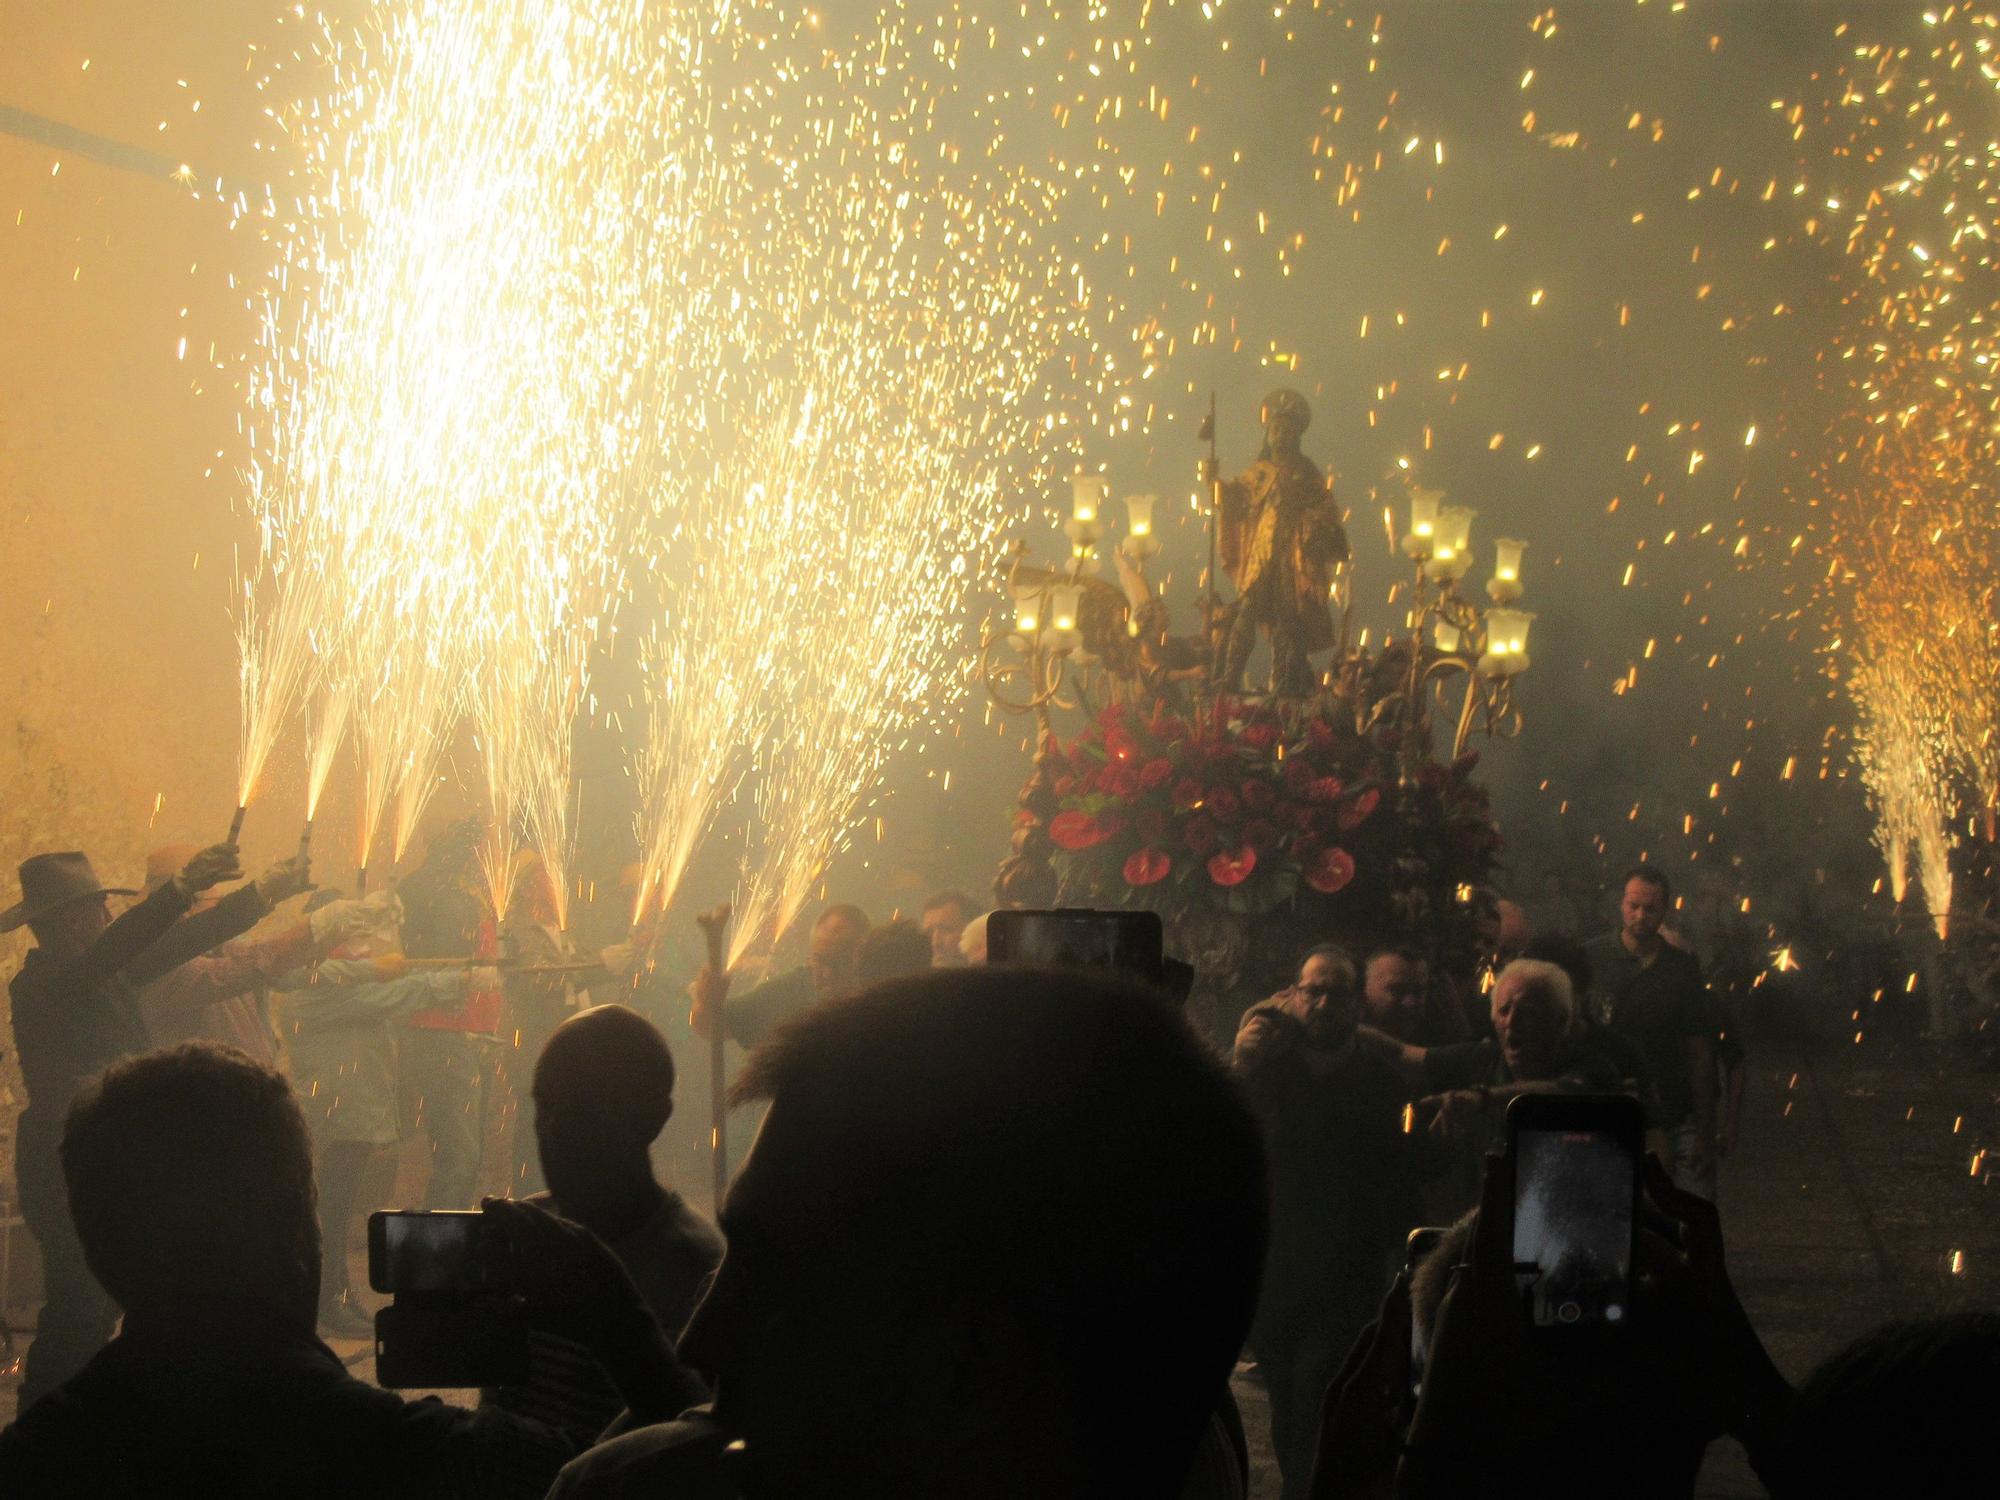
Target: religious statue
{"x": 1279, "y": 537}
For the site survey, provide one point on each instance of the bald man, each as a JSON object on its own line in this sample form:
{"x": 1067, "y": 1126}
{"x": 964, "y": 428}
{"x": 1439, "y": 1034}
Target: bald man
{"x": 603, "y": 1091}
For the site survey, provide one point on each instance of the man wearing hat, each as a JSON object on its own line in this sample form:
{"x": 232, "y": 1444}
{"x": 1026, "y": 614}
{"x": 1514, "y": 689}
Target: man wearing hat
{"x": 74, "y": 1015}
{"x": 1278, "y": 535}
{"x": 219, "y": 996}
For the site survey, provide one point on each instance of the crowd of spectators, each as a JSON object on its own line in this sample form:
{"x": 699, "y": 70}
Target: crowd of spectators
{"x": 1003, "y": 1232}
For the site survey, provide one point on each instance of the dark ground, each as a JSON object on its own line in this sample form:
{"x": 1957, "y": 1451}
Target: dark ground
{"x": 1858, "y": 1180}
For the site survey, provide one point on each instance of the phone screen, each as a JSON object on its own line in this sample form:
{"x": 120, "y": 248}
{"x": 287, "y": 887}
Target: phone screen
{"x": 426, "y": 1252}
{"x": 1574, "y": 1190}
{"x": 1128, "y": 942}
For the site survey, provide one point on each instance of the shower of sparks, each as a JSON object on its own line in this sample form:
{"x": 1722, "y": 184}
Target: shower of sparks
{"x": 323, "y": 735}
{"x": 1912, "y": 583}
{"x": 466, "y": 302}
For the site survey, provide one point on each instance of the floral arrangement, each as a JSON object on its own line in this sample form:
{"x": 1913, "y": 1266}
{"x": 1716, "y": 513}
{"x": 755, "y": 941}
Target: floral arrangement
{"x": 1251, "y": 808}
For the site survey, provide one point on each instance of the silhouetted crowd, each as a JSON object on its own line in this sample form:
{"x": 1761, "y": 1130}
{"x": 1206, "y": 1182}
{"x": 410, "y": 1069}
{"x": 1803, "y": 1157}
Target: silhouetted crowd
{"x": 1003, "y": 1231}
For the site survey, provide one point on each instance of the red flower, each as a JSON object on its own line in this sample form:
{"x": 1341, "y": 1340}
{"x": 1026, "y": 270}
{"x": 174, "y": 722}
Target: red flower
{"x": 1319, "y": 734}
{"x": 1120, "y": 780}
{"x": 1113, "y": 714}
{"x": 1065, "y": 785}
{"x": 1261, "y": 736}
{"x": 1156, "y": 773}
{"x": 1260, "y": 835}
{"x": 1187, "y": 792}
{"x": 1258, "y": 796}
{"x": 1224, "y": 803}
{"x": 1113, "y": 822}
{"x": 1151, "y": 824}
{"x": 1355, "y": 813}
{"x": 1169, "y": 728}
{"x": 1148, "y": 866}
{"x": 1299, "y": 774}
{"x": 1330, "y": 869}
{"x": 1119, "y": 744}
{"x": 1076, "y": 830}
{"x": 1325, "y": 789}
{"x": 1232, "y": 869}
{"x": 1200, "y": 835}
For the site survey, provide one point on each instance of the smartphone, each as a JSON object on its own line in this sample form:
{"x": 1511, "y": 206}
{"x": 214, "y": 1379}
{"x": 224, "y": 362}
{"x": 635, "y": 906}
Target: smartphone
{"x": 1128, "y": 942}
{"x": 1576, "y": 1201}
{"x": 421, "y": 1250}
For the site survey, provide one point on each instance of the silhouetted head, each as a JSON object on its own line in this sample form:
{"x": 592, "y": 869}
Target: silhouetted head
{"x": 943, "y": 919}
{"x": 1905, "y": 1410}
{"x": 1643, "y": 902}
{"x": 1396, "y": 988}
{"x": 834, "y": 950}
{"x": 604, "y": 1089}
{"x": 190, "y": 1181}
{"x": 1325, "y": 998}
{"x": 1000, "y": 1234}
{"x": 891, "y": 951}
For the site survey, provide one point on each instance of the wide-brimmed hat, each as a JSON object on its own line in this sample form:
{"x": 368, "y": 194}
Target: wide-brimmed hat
{"x": 50, "y": 882}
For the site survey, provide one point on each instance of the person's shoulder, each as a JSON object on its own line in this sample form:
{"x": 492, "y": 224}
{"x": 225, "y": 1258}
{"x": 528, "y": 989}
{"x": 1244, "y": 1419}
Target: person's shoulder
{"x": 689, "y": 1225}
{"x": 1605, "y": 943}
{"x": 681, "y": 1458}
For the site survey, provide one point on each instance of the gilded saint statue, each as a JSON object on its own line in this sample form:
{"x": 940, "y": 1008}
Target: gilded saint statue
{"x": 1279, "y": 537}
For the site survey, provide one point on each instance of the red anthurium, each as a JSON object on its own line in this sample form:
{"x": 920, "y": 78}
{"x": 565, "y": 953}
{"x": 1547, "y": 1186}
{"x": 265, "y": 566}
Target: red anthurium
{"x": 1119, "y": 744}
{"x": 1156, "y": 773}
{"x": 1357, "y": 812}
{"x": 1330, "y": 870}
{"x": 1148, "y": 867}
{"x": 1076, "y": 830}
{"x": 1228, "y": 869}
{"x": 1187, "y": 792}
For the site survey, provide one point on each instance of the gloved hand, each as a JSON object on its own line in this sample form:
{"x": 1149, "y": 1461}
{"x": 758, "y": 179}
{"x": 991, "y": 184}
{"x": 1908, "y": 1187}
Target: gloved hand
{"x": 286, "y": 879}
{"x": 337, "y": 921}
{"x": 212, "y": 866}
{"x": 486, "y": 977}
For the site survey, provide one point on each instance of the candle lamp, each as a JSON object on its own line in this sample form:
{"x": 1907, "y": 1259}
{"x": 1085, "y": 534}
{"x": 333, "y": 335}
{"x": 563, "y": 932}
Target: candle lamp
{"x": 1140, "y": 543}
{"x": 1504, "y": 587}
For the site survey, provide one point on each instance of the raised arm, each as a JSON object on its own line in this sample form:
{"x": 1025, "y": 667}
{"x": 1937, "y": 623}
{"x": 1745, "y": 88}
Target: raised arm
{"x": 232, "y": 916}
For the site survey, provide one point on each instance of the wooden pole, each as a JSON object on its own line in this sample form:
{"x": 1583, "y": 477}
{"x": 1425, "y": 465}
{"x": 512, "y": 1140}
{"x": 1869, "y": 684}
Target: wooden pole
{"x": 714, "y": 929}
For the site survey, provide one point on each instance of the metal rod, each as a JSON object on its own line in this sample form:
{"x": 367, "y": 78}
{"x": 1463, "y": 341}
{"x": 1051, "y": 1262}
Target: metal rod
{"x": 306, "y": 840}
{"x": 236, "y": 823}
{"x": 714, "y": 928}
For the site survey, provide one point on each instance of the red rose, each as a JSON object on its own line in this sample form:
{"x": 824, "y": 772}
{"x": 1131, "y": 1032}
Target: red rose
{"x": 1148, "y": 866}
{"x": 1155, "y": 773}
{"x": 1187, "y": 793}
{"x": 1330, "y": 869}
{"x": 1325, "y": 789}
{"x": 1200, "y": 835}
{"x": 1355, "y": 813}
{"x": 1261, "y": 736}
{"x": 1119, "y": 744}
{"x": 1258, "y": 796}
{"x": 1232, "y": 869}
{"x": 1076, "y": 830}
{"x": 1224, "y": 803}
{"x": 1151, "y": 824}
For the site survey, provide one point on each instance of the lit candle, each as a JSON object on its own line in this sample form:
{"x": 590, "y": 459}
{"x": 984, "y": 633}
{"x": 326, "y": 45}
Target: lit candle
{"x": 1139, "y": 514}
{"x": 1448, "y": 637}
{"x": 1027, "y": 609}
{"x": 1063, "y": 604}
{"x": 1507, "y": 559}
{"x": 1424, "y": 511}
{"x": 1086, "y": 496}
{"x": 1454, "y": 529}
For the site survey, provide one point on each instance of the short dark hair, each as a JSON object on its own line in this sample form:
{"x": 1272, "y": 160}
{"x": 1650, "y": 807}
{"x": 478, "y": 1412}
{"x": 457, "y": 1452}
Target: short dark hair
{"x": 616, "y": 1061}
{"x": 939, "y": 900}
{"x": 1061, "y": 1143}
{"x": 1327, "y": 950}
{"x": 190, "y": 1178}
{"x": 845, "y": 912}
{"x": 1904, "y": 1410}
{"x": 1407, "y": 952}
{"x": 1653, "y": 875}
{"x": 894, "y": 948}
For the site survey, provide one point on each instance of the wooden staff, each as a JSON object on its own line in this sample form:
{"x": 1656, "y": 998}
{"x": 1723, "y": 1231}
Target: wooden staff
{"x": 714, "y": 929}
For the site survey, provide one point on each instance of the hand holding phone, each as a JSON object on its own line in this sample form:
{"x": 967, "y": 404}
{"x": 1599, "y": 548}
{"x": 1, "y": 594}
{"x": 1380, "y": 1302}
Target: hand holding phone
{"x": 1576, "y": 1198}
